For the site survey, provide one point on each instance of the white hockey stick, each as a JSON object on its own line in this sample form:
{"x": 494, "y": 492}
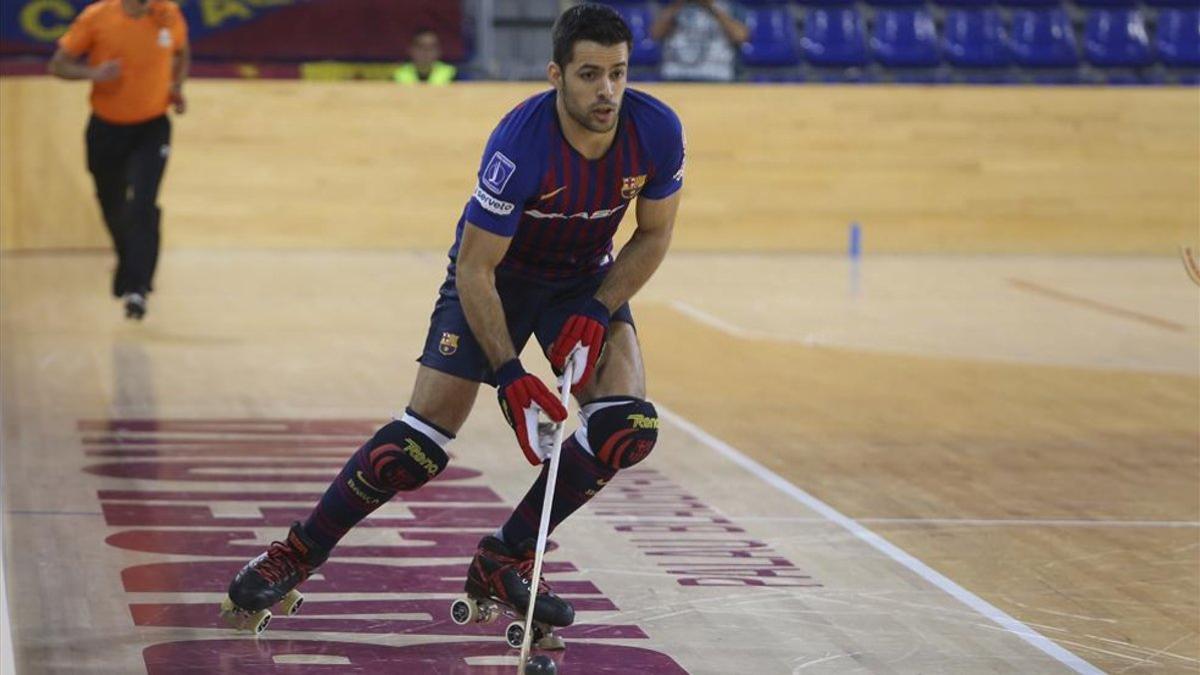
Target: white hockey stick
{"x": 544, "y": 525}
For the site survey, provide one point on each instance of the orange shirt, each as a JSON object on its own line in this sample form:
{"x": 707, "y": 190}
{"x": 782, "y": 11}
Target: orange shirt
{"x": 144, "y": 46}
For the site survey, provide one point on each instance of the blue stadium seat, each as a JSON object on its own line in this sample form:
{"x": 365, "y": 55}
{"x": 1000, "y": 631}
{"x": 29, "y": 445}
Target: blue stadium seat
{"x": 1178, "y": 37}
{"x": 974, "y": 38}
{"x": 905, "y": 37}
{"x": 773, "y": 39}
{"x": 975, "y": 4}
{"x": 1116, "y": 37}
{"x": 1107, "y": 3}
{"x": 834, "y": 36}
{"x": 1182, "y": 4}
{"x": 1043, "y": 38}
{"x": 1032, "y": 3}
{"x": 639, "y": 14}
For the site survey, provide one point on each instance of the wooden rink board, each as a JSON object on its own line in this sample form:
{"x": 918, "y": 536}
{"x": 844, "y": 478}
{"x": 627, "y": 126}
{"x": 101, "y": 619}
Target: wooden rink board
{"x": 315, "y": 164}
{"x": 992, "y": 391}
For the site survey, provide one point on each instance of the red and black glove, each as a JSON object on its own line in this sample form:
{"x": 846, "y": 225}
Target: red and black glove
{"x": 521, "y": 397}
{"x": 582, "y": 341}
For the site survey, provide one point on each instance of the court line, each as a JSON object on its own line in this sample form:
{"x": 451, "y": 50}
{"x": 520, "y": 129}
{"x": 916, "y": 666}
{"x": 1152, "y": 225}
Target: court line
{"x": 7, "y": 659}
{"x": 885, "y": 547}
{"x": 979, "y": 522}
{"x": 1103, "y": 307}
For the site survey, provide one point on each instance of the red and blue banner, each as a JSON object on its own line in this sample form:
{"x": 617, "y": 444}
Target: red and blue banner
{"x": 263, "y": 30}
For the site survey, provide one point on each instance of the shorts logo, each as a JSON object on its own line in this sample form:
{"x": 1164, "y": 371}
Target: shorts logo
{"x": 448, "y": 344}
{"x": 164, "y": 38}
{"x": 498, "y": 171}
{"x": 496, "y": 206}
{"x": 632, "y": 185}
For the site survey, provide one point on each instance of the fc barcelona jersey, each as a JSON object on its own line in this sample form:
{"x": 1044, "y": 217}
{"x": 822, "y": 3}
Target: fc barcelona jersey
{"x": 560, "y": 208}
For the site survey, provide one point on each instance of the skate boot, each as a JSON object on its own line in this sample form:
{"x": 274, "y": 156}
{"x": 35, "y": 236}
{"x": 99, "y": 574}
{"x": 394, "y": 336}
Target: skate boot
{"x": 271, "y": 578}
{"x": 498, "y": 581}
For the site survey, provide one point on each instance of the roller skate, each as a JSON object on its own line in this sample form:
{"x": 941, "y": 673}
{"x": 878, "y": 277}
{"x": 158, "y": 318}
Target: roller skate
{"x": 269, "y": 579}
{"x": 498, "y": 582}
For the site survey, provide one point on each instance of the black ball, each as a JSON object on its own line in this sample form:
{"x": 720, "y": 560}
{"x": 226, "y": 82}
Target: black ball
{"x": 540, "y": 665}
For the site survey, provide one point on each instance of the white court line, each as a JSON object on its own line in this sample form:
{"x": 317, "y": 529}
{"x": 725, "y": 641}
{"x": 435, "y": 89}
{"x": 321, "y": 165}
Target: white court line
{"x": 972, "y": 522}
{"x": 8, "y": 665}
{"x": 887, "y": 548}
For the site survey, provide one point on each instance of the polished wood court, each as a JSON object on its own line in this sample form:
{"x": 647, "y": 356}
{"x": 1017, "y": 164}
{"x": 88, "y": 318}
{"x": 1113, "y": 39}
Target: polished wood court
{"x": 1012, "y": 400}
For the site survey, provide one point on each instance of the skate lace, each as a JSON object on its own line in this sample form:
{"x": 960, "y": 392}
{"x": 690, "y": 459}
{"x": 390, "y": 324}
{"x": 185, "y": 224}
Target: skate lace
{"x": 525, "y": 569}
{"x": 280, "y": 563}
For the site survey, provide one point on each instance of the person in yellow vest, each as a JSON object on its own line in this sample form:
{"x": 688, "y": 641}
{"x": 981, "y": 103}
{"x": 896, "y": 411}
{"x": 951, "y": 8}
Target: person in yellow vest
{"x": 425, "y": 68}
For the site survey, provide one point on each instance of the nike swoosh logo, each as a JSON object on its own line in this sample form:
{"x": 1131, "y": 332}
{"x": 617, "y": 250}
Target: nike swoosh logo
{"x": 548, "y": 195}
{"x": 368, "y": 483}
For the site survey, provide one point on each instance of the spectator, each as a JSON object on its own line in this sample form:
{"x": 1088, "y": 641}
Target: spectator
{"x": 700, "y": 39}
{"x": 425, "y": 50}
{"x": 135, "y": 53}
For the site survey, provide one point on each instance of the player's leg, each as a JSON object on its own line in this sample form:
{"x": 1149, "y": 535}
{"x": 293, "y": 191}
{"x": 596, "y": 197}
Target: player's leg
{"x": 619, "y": 429}
{"x": 142, "y": 214}
{"x": 108, "y": 150}
{"x": 402, "y": 455}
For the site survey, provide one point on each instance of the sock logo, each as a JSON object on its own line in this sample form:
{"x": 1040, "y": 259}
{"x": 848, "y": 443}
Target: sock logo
{"x": 640, "y": 421}
{"x": 412, "y": 449}
{"x": 362, "y": 494}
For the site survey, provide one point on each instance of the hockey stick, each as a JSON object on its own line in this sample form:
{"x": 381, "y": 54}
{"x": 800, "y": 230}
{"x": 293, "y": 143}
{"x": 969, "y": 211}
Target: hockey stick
{"x": 544, "y": 524}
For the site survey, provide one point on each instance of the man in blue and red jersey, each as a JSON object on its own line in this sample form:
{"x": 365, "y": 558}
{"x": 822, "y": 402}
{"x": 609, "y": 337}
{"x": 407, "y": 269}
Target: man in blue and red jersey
{"x": 532, "y": 256}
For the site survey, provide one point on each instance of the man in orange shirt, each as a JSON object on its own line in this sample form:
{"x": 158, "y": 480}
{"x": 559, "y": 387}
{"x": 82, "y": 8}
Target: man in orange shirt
{"x": 135, "y": 52}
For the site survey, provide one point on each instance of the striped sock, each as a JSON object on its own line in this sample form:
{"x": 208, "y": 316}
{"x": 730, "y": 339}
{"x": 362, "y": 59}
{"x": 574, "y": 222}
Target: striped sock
{"x": 580, "y": 477}
{"x": 357, "y": 491}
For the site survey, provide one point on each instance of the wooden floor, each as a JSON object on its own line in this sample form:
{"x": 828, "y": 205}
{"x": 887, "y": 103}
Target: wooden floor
{"x": 938, "y": 464}
{"x": 976, "y": 451}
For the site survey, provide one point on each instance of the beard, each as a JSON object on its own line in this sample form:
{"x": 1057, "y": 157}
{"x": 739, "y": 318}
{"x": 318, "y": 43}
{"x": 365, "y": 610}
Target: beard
{"x": 583, "y": 115}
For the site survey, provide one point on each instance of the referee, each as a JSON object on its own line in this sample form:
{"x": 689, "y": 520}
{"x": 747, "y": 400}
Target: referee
{"x": 135, "y": 52}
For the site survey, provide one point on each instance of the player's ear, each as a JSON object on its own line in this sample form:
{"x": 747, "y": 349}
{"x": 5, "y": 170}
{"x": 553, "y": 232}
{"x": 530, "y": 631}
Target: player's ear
{"x": 554, "y": 74}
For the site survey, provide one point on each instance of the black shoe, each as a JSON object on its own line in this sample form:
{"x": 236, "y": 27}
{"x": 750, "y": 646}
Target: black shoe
{"x": 270, "y": 576}
{"x": 501, "y": 573}
{"x": 135, "y": 306}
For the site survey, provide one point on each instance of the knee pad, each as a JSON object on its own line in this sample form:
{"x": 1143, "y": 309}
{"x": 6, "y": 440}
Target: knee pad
{"x": 621, "y": 431}
{"x": 402, "y": 458}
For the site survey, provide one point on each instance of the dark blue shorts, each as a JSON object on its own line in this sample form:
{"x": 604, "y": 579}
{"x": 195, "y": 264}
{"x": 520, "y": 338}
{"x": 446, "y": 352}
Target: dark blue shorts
{"x": 532, "y": 307}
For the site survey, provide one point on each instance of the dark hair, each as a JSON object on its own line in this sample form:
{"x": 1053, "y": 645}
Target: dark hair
{"x": 588, "y": 21}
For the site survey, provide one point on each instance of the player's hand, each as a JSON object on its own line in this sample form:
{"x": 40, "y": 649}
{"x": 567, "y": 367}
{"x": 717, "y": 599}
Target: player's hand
{"x": 521, "y": 397}
{"x": 106, "y": 72}
{"x": 581, "y": 340}
{"x": 178, "y": 102}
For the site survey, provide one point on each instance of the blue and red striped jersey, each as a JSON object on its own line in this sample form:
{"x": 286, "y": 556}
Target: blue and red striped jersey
{"x": 561, "y": 209}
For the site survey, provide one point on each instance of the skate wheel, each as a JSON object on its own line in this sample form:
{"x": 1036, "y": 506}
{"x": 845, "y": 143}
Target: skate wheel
{"x": 259, "y": 621}
{"x": 544, "y": 638}
{"x": 515, "y": 634}
{"x": 290, "y": 605}
{"x": 240, "y": 619}
{"x": 464, "y": 611}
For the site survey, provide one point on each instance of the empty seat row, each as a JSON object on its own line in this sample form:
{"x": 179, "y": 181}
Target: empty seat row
{"x": 837, "y": 35}
{"x": 980, "y": 38}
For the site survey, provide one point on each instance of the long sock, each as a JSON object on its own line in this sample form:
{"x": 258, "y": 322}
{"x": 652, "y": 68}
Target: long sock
{"x": 358, "y": 491}
{"x": 580, "y": 477}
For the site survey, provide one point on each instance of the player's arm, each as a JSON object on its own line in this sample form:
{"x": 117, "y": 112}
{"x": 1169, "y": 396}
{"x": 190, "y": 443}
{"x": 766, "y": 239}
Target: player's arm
{"x": 478, "y": 255}
{"x": 644, "y": 252}
{"x": 582, "y": 336}
{"x": 521, "y": 395}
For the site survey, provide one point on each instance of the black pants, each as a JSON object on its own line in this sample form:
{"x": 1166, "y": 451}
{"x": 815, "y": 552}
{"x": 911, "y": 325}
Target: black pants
{"x": 127, "y": 163}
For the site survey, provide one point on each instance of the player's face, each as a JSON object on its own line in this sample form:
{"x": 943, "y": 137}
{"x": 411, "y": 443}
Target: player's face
{"x": 592, "y": 84}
